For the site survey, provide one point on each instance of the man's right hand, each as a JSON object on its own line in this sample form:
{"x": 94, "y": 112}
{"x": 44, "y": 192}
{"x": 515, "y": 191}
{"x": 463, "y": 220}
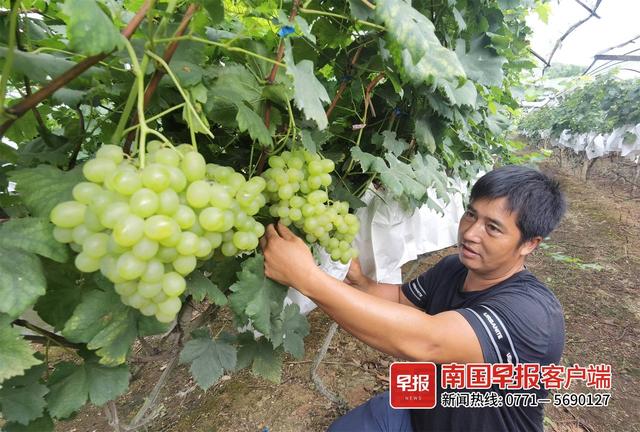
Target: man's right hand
{"x": 355, "y": 277}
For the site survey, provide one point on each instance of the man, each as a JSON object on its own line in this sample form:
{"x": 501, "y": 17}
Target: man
{"x": 481, "y": 305}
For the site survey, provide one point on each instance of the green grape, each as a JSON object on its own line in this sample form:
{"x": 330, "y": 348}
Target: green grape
{"x": 308, "y": 210}
{"x": 114, "y": 213}
{"x": 297, "y": 202}
{"x": 336, "y": 254}
{"x": 126, "y": 289}
{"x": 167, "y": 254}
{"x": 68, "y": 214}
{"x": 75, "y": 247}
{"x": 295, "y": 214}
{"x": 126, "y": 182}
{"x": 204, "y": 248}
{"x": 196, "y": 228}
{"x": 177, "y": 179}
{"x": 137, "y": 301}
{"x": 276, "y": 162}
{"x": 193, "y": 166}
{"x": 168, "y": 156}
{"x": 159, "y": 227}
{"x": 215, "y": 239}
{"x": 317, "y": 197}
{"x": 149, "y": 309}
{"x": 285, "y": 192}
{"x": 95, "y": 245}
{"x": 258, "y": 229}
{"x": 149, "y": 289}
{"x": 327, "y": 165}
{"x": 110, "y": 152}
{"x": 173, "y": 284}
{"x": 185, "y": 264}
{"x": 170, "y": 306}
{"x": 153, "y": 272}
{"x": 168, "y": 202}
{"x": 198, "y": 194}
{"x": 188, "y": 243}
{"x": 156, "y": 177}
{"x": 184, "y": 216}
{"x": 245, "y": 240}
{"x": 255, "y": 185}
{"x": 315, "y": 182}
{"x": 315, "y": 168}
{"x": 235, "y": 181}
{"x": 114, "y": 248}
{"x": 129, "y": 230}
{"x": 244, "y": 198}
{"x": 173, "y": 239}
{"x": 165, "y": 318}
{"x": 159, "y": 298}
{"x": 102, "y": 200}
{"x": 227, "y": 236}
{"x": 325, "y": 180}
{"x": 96, "y": 170}
{"x": 129, "y": 267}
{"x": 145, "y": 248}
{"x": 80, "y": 233}
{"x": 144, "y": 203}
{"x": 62, "y": 235}
{"x": 228, "y": 249}
{"x": 84, "y": 192}
{"x": 221, "y": 173}
{"x": 212, "y": 219}
{"x": 92, "y": 221}
{"x": 86, "y": 263}
{"x": 296, "y": 163}
{"x": 220, "y": 196}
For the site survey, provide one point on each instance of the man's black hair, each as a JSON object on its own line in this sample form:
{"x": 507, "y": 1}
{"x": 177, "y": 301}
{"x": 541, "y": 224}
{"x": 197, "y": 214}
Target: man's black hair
{"x": 536, "y": 198}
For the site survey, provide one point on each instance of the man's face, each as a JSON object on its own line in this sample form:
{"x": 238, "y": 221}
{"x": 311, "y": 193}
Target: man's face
{"x": 489, "y": 238}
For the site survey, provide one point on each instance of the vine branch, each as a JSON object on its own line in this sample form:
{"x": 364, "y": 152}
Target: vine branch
{"x": 19, "y": 109}
{"x": 343, "y": 84}
{"x": 47, "y": 334}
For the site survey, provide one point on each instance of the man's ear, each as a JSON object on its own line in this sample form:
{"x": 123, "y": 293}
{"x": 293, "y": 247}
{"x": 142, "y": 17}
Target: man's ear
{"x": 530, "y": 245}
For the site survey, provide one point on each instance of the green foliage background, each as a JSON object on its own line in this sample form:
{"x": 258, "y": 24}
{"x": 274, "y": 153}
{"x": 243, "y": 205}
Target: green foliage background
{"x": 419, "y": 92}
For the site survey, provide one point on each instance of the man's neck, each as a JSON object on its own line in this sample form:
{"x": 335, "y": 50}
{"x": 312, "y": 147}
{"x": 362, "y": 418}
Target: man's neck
{"x": 479, "y": 282}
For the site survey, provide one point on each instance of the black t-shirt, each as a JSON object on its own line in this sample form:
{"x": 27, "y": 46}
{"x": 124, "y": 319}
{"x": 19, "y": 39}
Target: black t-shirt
{"x": 516, "y": 321}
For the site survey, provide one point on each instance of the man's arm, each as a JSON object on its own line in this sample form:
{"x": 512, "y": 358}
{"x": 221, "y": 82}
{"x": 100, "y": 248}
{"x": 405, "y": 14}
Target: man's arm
{"x": 388, "y": 326}
{"x": 391, "y": 292}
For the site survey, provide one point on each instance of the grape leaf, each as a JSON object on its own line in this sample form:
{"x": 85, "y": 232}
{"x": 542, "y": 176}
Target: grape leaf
{"x": 103, "y": 322}
{"x": 256, "y": 297}
{"x": 360, "y": 11}
{"x": 291, "y": 329}
{"x": 402, "y": 179}
{"x": 424, "y": 136}
{"x": 307, "y": 140}
{"x": 215, "y": 9}
{"x": 309, "y": 93}
{"x": 417, "y": 47}
{"x": 65, "y": 287}
{"x": 22, "y": 397}
{"x": 41, "y": 424}
{"x": 41, "y": 67}
{"x": 209, "y": 359}
{"x": 33, "y": 235}
{"x": 24, "y": 129}
{"x": 71, "y": 385}
{"x": 188, "y": 74}
{"x": 21, "y": 280}
{"x": 481, "y": 64}
{"x": 44, "y": 186}
{"x": 16, "y": 354}
{"x": 248, "y": 120}
{"x": 392, "y": 144}
{"x": 199, "y": 287}
{"x": 89, "y": 29}
{"x": 265, "y": 361}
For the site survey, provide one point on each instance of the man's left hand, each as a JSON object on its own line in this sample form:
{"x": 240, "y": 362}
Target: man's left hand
{"x": 287, "y": 259}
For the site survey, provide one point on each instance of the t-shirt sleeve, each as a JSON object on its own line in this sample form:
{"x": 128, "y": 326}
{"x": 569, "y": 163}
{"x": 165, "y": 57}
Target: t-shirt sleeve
{"x": 516, "y": 328}
{"x": 420, "y": 290}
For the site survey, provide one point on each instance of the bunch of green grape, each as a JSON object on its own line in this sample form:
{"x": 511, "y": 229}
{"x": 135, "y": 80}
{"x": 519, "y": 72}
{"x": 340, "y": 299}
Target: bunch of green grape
{"x": 296, "y": 187}
{"x": 146, "y": 228}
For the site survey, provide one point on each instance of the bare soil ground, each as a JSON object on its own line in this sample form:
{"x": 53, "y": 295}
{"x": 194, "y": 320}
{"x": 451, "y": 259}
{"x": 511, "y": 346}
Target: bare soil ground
{"x": 602, "y": 312}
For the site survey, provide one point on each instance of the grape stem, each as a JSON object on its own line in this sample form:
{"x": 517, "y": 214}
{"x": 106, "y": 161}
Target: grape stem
{"x": 144, "y": 129}
{"x": 181, "y": 90}
{"x": 335, "y": 15}
{"x": 155, "y": 117}
{"x": 11, "y": 51}
{"x": 225, "y": 46}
